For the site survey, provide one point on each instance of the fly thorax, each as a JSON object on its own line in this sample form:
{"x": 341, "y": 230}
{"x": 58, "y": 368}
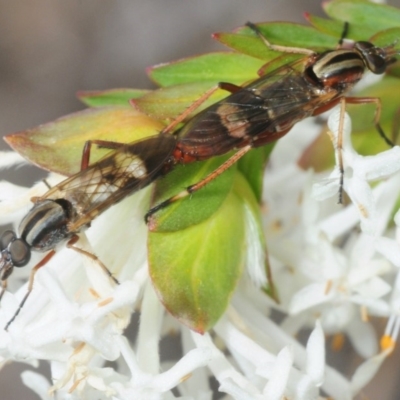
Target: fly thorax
{"x": 337, "y": 69}
{"x": 45, "y": 225}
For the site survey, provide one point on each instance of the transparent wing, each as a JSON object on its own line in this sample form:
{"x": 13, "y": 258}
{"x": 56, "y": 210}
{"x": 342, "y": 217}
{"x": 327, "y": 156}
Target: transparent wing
{"x": 114, "y": 177}
{"x": 270, "y": 104}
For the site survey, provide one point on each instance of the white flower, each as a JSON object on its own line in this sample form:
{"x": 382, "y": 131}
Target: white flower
{"x": 330, "y": 278}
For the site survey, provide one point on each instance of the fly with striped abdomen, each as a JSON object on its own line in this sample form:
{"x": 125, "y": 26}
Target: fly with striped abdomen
{"x": 267, "y": 109}
{"x": 251, "y": 116}
{"x": 69, "y": 207}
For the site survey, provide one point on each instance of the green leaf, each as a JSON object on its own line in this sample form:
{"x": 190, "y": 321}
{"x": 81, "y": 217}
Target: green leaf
{"x": 394, "y": 71}
{"x": 284, "y": 59}
{"x": 369, "y": 15}
{"x": 254, "y": 225}
{"x": 250, "y": 45}
{"x": 196, "y": 270}
{"x": 112, "y": 97}
{"x": 212, "y": 68}
{"x": 333, "y": 28}
{"x": 252, "y": 167}
{"x": 198, "y": 206}
{"x": 167, "y": 103}
{"x": 246, "y": 41}
{"x": 293, "y": 35}
{"x": 387, "y": 37}
{"x": 57, "y": 146}
{"x": 366, "y": 139}
{"x": 280, "y": 33}
{"x": 387, "y": 90}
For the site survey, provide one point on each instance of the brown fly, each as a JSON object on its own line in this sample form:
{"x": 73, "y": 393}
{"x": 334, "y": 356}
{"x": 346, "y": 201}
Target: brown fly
{"x": 251, "y": 116}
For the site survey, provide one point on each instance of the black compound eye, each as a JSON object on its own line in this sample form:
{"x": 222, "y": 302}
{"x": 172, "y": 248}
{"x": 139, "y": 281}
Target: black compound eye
{"x": 6, "y": 238}
{"x": 20, "y": 253}
{"x": 374, "y": 57}
{"x": 377, "y": 64}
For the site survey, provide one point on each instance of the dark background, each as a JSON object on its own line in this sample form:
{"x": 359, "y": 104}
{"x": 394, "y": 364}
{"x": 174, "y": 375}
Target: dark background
{"x": 49, "y": 49}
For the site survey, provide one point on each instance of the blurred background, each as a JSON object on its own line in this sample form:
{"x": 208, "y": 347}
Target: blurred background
{"x": 50, "y": 49}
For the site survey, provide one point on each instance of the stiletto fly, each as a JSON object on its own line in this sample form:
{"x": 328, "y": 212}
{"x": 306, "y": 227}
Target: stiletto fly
{"x": 251, "y": 116}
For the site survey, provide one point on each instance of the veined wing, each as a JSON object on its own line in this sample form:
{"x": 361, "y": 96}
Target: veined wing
{"x": 117, "y": 175}
{"x": 270, "y": 104}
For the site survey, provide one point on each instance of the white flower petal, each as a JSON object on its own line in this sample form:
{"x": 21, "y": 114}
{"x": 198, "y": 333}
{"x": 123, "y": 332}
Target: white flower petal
{"x": 316, "y": 355}
{"x": 382, "y": 165}
{"x": 276, "y": 385}
{"x": 309, "y": 296}
{"x": 38, "y": 383}
{"x": 390, "y": 249}
{"x": 363, "y": 337}
{"x": 366, "y": 371}
{"x": 10, "y": 158}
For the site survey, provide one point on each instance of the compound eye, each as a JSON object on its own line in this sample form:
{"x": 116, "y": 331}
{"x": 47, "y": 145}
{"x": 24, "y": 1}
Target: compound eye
{"x": 376, "y": 64}
{"x": 20, "y": 253}
{"x": 6, "y": 238}
{"x": 374, "y": 57}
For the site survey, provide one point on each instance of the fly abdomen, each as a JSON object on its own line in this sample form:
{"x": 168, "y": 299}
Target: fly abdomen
{"x": 45, "y": 225}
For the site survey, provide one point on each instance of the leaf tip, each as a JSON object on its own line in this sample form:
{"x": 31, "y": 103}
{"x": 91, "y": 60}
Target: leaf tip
{"x": 134, "y": 104}
{"x": 325, "y": 4}
{"x": 151, "y": 222}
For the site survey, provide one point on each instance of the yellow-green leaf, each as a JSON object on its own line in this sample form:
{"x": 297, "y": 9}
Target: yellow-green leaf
{"x": 57, "y": 146}
{"x": 112, "y": 97}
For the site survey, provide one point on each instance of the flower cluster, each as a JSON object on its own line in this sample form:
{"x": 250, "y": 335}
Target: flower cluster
{"x": 334, "y": 268}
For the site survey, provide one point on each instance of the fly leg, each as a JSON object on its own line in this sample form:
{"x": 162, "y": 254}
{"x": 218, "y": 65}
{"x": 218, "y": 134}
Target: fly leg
{"x": 396, "y": 126}
{"x": 282, "y": 49}
{"x": 339, "y": 147}
{"x": 3, "y": 287}
{"x": 71, "y": 245}
{"x": 377, "y": 115}
{"x": 5, "y": 271}
{"x": 197, "y": 186}
{"x": 289, "y": 49}
{"x": 106, "y": 144}
{"x": 43, "y": 262}
{"x": 356, "y": 100}
{"x": 39, "y": 265}
{"x": 229, "y": 87}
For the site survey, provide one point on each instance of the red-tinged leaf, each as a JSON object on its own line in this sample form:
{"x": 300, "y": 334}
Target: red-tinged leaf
{"x": 319, "y": 155}
{"x": 112, "y": 97}
{"x": 167, "y": 103}
{"x": 372, "y": 16}
{"x": 57, "y": 146}
{"x": 196, "y": 270}
{"x": 213, "y": 67}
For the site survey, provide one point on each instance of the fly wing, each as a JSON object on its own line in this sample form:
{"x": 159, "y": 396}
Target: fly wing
{"x": 117, "y": 175}
{"x": 270, "y": 104}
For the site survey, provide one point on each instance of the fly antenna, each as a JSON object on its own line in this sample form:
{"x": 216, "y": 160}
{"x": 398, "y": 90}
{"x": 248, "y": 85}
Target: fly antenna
{"x": 345, "y": 32}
